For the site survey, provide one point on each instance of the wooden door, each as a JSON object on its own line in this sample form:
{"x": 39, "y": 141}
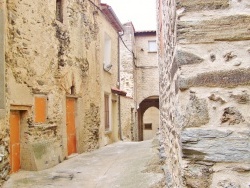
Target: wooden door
{"x": 14, "y": 141}
{"x": 70, "y": 122}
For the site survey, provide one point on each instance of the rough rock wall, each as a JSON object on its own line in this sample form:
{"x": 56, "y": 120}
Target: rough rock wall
{"x": 170, "y": 146}
{"x": 4, "y": 132}
{"x": 2, "y": 56}
{"x": 213, "y": 55}
{"x": 210, "y": 96}
{"x": 127, "y": 118}
{"x": 127, "y": 79}
{"x": 91, "y": 128}
{"x": 127, "y": 82}
{"x": 47, "y": 57}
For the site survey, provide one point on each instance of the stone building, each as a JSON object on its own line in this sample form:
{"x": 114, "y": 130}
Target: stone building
{"x": 58, "y": 81}
{"x": 203, "y": 53}
{"x": 139, "y": 78}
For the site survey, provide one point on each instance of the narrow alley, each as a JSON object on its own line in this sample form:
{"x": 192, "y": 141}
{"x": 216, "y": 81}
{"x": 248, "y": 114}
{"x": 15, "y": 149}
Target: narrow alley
{"x": 84, "y": 91}
{"x": 123, "y": 164}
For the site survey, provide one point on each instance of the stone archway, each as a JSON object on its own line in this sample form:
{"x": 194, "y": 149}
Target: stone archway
{"x": 152, "y": 101}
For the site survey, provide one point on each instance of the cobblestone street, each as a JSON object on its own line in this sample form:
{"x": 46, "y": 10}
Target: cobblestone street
{"x": 123, "y": 164}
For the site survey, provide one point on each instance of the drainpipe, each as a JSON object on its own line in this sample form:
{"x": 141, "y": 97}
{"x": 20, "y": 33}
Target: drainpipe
{"x": 119, "y": 97}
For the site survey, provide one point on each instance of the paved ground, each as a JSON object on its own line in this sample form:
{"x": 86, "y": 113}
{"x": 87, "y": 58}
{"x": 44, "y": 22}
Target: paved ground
{"x": 123, "y": 164}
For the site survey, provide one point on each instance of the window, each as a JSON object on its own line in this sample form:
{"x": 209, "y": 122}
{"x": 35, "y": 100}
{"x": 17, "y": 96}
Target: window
{"x": 59, "y": 10}
{"x": 40, "y": 109}
{"x": 107, "y": 53}
{"x": 106, "y": 112}
{"x": 148, "y": 126}
{"x": 2, "y": 60}
{"x": 152, "y": 47}
{"x": 72, "y": 90}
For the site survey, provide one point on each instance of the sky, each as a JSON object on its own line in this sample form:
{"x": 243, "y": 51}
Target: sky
{"x": 142, "y": 13}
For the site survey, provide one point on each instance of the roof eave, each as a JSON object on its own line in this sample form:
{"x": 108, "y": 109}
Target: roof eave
{"x": 143, "y": 33}
{"x": 118, "y": 91}
{"x": 111, "y": 17}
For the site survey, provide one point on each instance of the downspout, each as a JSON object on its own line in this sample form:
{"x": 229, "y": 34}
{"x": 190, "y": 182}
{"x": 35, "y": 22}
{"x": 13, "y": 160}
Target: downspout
{"x": 119, "y": 97}
{"x": 137, "y": 128}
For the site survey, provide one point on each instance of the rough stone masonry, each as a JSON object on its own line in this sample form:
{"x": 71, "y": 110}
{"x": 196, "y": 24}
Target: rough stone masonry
{"x": 204, "y": 54}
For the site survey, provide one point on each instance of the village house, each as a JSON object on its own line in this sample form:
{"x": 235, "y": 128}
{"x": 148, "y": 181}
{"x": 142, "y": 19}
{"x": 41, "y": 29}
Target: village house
{"x": 58, "y": 81}
{"x": 139, "y": 77}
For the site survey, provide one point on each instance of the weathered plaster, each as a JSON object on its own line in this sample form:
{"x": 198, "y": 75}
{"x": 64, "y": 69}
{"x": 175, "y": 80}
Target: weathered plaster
{"x": 55, "y": 59}
{"x": 2, "y": 58}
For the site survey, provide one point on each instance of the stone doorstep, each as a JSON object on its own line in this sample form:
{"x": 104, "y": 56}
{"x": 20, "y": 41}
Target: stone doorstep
{"x": 72, "y": 156}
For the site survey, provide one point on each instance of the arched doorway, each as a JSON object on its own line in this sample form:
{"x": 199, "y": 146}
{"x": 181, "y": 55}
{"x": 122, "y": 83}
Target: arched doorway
{"x": 147, "y": 103}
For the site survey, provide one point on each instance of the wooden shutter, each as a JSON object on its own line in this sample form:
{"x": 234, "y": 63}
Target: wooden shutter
{"x": 40, "y": 109}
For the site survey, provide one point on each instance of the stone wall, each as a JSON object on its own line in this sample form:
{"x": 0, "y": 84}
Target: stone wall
{"x": 4, "y": 140}
{"x": 214, "y": 84}
{"x": 210, "y": 89}
{"x": 127, "y": 79}
{"x": 2, "y": 56}
{"x": 127, "y": 118}
{"x": 170, "y": 146}
{"x": 44, "y": 57}
{"x": 127, "y": 82}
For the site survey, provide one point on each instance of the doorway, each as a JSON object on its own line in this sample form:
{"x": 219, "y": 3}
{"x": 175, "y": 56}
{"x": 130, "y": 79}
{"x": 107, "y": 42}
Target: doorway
{"x": 15, "y": 141}
{"x": 70, "y": 123}
{"x": 152, "y": 101}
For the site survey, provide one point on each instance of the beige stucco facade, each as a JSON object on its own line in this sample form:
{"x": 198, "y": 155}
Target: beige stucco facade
{"x": 42, "y": 56}
{"x": 147, "y": 73}
{"x": 108, "y": 80}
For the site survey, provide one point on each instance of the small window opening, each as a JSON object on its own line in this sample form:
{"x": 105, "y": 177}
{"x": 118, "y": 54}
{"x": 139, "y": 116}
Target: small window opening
{"x": 148, "y": 126}
{"x": 152, "y": 46}
{"x": 59, "y": 10}
{"x": 72, "y": 90}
